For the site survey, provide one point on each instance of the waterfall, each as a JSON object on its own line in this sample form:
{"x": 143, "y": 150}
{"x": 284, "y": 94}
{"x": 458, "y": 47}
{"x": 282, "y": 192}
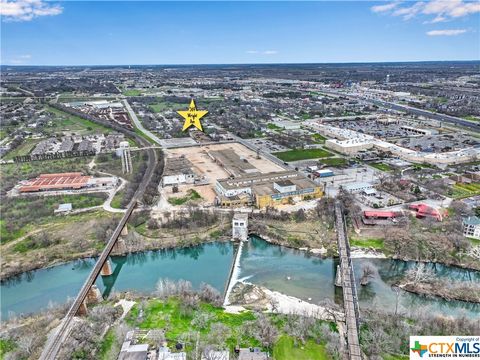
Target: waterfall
{"x": 234, "y": 274}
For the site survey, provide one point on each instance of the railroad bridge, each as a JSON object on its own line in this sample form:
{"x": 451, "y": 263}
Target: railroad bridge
{"x": 346, "y": 279}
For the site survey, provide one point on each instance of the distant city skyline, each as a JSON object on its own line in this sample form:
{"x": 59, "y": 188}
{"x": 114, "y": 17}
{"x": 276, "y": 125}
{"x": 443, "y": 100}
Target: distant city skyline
{"x": 184, "y": 33}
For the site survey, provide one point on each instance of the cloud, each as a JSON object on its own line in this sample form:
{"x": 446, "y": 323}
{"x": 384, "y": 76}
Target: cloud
{"x": 451, "y": 32}
{"x": 20, "y": 59}
{"x": 263, "y": 52}
{"x": 442, "y": 10}
{"x": 26, "y": 10}
{"x": 385, "y": 8}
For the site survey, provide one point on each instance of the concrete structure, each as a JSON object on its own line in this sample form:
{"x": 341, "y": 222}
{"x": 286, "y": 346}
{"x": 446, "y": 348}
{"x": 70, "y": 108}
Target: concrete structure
{"x": 178, "y": 170}
{"x": 252, "y": 354}
{"x": 63, "y": 208}
{"x": 287, "y": 125}
{"x": 124, "y": 152}
{"x": 60, "y": 181}
{"x": 216, "y": 355}
{"x": 471, "y": 227}
{"x": 164, "y": 353}
{"x": 240, "y": 226}
{"x": 417, "y": 131}
{"x": 264, "y": 190}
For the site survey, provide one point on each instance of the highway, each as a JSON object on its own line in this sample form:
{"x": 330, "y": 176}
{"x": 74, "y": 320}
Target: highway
{"x": 409, "y": 109}
{"x": 54, "y": 343}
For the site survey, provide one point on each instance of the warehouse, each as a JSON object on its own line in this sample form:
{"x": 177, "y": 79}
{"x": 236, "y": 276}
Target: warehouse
{"x": 177, "y": 171}
{"x": 264, "y": 190}
{"x": 61, "y": 181}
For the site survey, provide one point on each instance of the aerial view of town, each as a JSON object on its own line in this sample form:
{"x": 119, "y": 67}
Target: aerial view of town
{"x": 185, "y": 191}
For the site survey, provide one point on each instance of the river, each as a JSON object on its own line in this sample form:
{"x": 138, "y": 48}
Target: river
{"x": 261, "y": 263}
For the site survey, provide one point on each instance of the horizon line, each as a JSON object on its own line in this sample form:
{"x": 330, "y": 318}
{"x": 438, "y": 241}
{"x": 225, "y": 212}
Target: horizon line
{"x": 244, "y": 64}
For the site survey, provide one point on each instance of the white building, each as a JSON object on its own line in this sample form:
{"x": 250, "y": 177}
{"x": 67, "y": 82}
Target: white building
{"x": 240, "y": 226}
{"x": 358, "y": 187}
{"x": 178, "y": 171}
{"x": 471, "y": 227}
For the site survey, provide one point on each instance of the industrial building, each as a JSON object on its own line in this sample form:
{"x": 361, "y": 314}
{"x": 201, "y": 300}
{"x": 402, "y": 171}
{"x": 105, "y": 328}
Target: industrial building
{"x": 177, "y": 171}
{"x": 65, "y": 181}
{"x": 264, "y": 190}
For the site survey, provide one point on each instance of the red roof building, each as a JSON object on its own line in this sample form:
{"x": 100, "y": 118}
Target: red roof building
{"x": 380, "y": 214}
{"x": 61, "y": 181}
{"x": 423, "y": 210}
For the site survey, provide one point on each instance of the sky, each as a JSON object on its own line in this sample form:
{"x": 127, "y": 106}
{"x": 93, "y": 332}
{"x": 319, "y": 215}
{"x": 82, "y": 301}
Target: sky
{"x": 36, "y": 32}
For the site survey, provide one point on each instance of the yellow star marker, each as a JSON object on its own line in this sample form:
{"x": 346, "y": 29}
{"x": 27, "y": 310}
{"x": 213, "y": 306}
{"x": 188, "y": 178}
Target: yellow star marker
{"x": 192, "y": 116}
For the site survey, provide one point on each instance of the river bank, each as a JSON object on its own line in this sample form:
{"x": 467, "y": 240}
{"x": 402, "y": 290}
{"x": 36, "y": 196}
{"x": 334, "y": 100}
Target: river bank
{"x": 460, "y": 292}
{"x": 134, "y": 243}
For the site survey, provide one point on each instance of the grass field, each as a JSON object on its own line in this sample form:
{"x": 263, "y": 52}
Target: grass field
{"x": 106, "y": 345}
{"x": 381, "y": 166}
{"x": 465, "y": 190}
{"x": 334, "y": 161}
{"x": 368, "y": 243}
{"x": 21, "y": 214}
{"x": 319, "y": 139}
{"x": 75, "y": 124}
{"x": 272, "y": 126}
{"x": 132, "y": 92}
{"x": 165, "y": 105}
{"x": 284, "y": 349}
{"x": 192, "y": 195}
{"x": 23, "y": 149}
{"x": 168, "y": 315}
{"x": 5, "y": 347}
{"x": 302, "y": 154}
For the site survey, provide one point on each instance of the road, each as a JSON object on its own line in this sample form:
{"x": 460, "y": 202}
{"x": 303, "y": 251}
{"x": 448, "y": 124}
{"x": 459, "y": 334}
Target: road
{"x": 399, "y": 107}
{"x": 54, "y": 343}
{"x": 139, "y": 125}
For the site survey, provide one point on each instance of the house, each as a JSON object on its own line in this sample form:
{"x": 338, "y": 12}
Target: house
{"x": 471, "y": 227}
{"x": 423, "y": 210}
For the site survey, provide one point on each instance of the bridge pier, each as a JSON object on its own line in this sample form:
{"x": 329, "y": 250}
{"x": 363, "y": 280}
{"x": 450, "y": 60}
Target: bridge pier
{"x": 82, "y": 309}
{"x": 338, "y": 277}
{"x": 120, "y": 247}
{"x": 106, "y": 268}
{"x": 124, "y": 231}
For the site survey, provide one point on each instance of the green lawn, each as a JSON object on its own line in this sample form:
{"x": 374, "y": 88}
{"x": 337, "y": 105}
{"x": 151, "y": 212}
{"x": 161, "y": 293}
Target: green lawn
{"x": 319, "y": 139}
{"x": 334, "y": 161}
{"x": 106, "y": 345}
{"x": 192, "y": 195}
{"x": 302, "y": 154}
{"x": 132, "y": 92}
{"x": 284, "y": 349}
{"x": 166, "y": 105}
{"x": 23, "y": 149}
{"x": 167, "y": 315}
{"x": 368, "y": 243}
{"x": 20, "y": 214}
{"x": 381, "y": 166}
{"x": 5, "y": 347}
{"x": 465, "y": 190}
{"x": 272, "y": 126}
{"x": 72, "y": 123}
{"x": 472, "y": 118}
